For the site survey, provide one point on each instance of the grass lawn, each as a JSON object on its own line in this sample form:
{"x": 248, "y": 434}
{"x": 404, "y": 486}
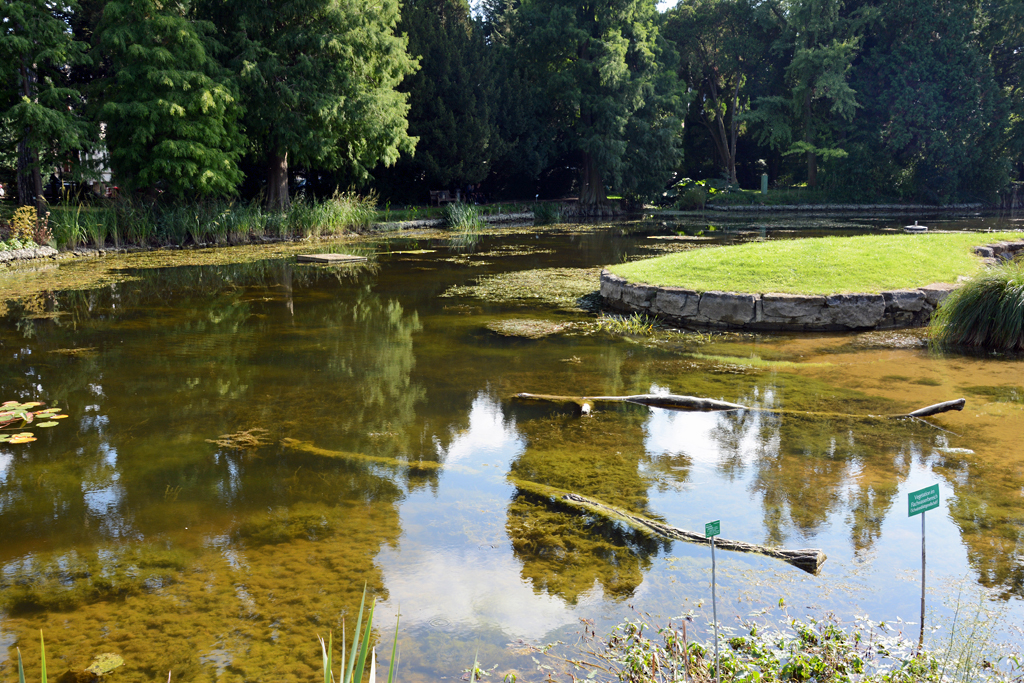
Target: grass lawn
{"x": 821, "y": 265}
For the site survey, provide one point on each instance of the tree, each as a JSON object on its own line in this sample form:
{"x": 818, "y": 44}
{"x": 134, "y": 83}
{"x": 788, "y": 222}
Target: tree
{"x": 933, "y": 111}
{"x": 36, "y": 52}
{"x": 596, "y": 67}
{"x": 451, "y": 98}
{"x": 724, "y": 47}
{"x": 821, "y": 43}
{"x": 170, "y": 111}
{"x": 318, "y": 80}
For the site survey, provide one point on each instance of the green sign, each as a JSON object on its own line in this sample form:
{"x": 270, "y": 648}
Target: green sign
{"x": 924, "y": 500}
{"x": 712, "y": 528}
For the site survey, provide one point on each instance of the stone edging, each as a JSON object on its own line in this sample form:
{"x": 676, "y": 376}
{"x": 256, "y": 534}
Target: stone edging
{"x": 26, "y": 254}
{"x": 812, "y": 208}
{"x": 798, "y": 312}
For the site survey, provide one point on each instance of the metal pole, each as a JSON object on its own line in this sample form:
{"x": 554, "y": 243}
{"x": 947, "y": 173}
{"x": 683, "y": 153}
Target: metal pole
{"x": 920, "y": 641}
{"x": 714, "y": 611}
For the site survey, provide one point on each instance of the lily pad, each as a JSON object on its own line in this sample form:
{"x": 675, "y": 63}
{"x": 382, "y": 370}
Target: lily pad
{"x": 21, "y": 439}
{"x": 47, "y": 424}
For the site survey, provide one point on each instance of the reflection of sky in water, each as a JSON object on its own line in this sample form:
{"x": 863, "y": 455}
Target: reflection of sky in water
{"x": 5, "y": 464}
{"x": 103, "y": 495}
{"x": 488, "y": 435}
{"x": 455, "y": 566}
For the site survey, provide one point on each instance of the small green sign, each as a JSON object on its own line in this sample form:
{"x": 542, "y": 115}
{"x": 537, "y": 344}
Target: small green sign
{"x": 924, "y": 500}
{"x": 713, "y": 528}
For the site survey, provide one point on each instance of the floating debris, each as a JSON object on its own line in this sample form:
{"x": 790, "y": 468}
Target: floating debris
{"x": 527, "y": 328}
{"x": 329, "y": 258}
{"x": 248, "y": 440}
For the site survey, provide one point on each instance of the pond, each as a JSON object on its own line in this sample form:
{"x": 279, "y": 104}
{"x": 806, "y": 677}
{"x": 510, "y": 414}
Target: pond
{"x": 250, "y": 441}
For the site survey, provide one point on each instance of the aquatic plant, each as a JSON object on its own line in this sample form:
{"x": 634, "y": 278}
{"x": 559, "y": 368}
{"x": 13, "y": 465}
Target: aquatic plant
{"x": 822, "y": 650}
{"x": 638, "y": 324}
{"x": 545, "y": 213}
{"x": 353, "y": 673}
{"x": 42, "y": 661}
{"x": 18, "y": 415}
{"x": 987, "y": 312}
{"x": 460, "y": 216}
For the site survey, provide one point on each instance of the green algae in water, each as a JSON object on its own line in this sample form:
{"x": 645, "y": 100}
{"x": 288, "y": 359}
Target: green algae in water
{"x": 566, "y": 288}
{"x": 64, "y": 581}
{"x": 997, "y": 394}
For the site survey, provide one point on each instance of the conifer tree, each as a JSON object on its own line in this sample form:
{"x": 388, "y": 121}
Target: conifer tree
{"x": 41, "y": 110}
{"x": 169, "y": 110}
{"x": 596, "y": 66}
{"x": 318, "y": 81}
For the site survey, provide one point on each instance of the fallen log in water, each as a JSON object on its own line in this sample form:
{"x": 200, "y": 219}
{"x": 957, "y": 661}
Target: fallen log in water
{"x": 676, "y": 402}
{"x": 808, "y": 559}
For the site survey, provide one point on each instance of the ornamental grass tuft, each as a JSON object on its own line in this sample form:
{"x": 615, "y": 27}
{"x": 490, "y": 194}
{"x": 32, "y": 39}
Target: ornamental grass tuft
{"x": 987, "y": 312}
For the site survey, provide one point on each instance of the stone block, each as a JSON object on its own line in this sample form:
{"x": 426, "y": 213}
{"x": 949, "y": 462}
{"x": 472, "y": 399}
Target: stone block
{"x": 611, "y": 287}
{"x": 854, "y": 311}
{"x": 985, "y": 251}
{"x": 904, "y": 299}
{"x": 793, "y": 308}
{"x": 638, "y": 296}
{"x": 676, "y": 303}
{"x": 727, "y": 307}
{"x": 936, "y": 292}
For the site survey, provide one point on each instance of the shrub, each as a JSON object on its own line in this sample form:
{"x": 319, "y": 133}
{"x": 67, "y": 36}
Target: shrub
{"x": 24, "y": 223}
{"x": 987, "y": 312}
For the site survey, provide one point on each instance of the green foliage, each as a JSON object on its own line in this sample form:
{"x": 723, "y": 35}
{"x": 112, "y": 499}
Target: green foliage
{"x": 170, "y": 110}
{"x": 601, "y": 92}
{"x": 637, "y": 325}
{"x": 452, "y": 98}
{"x": 40, "y": 104}
{"x": 353, "y": 673}
{"x": 545, "y": 213}
{"x": 318, "y": 80}
{"x": 23, "y": 223}
{"x": 986, "y": 312}
{"x": 461, "y": 216}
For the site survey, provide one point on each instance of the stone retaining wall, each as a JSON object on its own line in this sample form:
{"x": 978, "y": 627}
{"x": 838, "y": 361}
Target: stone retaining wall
{"x": 834, "y": 312}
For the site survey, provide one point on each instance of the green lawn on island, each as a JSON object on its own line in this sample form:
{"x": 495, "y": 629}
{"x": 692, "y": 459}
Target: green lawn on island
{"x": 819, "y": 265}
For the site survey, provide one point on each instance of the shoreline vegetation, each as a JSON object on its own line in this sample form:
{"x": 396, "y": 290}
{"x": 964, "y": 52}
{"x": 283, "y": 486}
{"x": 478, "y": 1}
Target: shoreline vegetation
{"x": 819, "y": 265}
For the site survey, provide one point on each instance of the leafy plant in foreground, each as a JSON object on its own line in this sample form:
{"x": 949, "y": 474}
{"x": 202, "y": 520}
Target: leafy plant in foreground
{"x": 353, "y": 673}
{"x": 460, "y": 216}
{"x": 987, "y": 312}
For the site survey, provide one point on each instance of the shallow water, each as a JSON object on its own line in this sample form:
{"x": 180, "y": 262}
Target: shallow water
{"x": 393, "y": 448}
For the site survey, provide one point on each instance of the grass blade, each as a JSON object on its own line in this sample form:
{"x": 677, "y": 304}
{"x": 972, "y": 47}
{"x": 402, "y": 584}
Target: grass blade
{"x": 393, "y": 665}
{"x": 355, "y": 641}
{"x": 21, "y": 668}
{"x": 365, "y": 644}
{"x": 42, "y": 654}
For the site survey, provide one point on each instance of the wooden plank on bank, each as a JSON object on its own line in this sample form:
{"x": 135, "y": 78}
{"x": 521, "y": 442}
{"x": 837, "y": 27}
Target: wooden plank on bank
{"x": 329, "y": 258}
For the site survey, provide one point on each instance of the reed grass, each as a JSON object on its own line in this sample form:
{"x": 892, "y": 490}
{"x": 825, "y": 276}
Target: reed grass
{"x": 986, "y": 312}
{"x": 356, "y": 662}
{"x": 460, "y": 216}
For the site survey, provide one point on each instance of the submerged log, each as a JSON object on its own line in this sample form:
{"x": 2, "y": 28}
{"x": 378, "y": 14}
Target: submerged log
{"x": 677, "y": 402}
{"x": 671, "y": 401}
{"x": 807, "y": 559}
{"x": 958, "y": 404}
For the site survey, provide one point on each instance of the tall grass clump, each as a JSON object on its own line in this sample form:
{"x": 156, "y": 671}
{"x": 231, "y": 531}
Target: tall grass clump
{"x": 545, "y": 213}
{"x": 460, "y": 216}
{"x": 343, "y": 211}
{"x": 987, "y": 312}
{"x": 353, "y": 672}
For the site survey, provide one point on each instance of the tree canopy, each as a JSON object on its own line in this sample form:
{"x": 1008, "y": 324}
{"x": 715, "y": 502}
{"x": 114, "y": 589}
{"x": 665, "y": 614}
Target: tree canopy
{"x": 917, "y": 100}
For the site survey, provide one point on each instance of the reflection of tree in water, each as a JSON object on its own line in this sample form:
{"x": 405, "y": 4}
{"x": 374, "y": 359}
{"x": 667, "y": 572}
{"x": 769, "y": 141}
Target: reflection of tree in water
{"x": 562, "y": 552}
{"x": 134, "y": 505}
{"x": 987, "y": 508}
{"x": 162, "y": 375}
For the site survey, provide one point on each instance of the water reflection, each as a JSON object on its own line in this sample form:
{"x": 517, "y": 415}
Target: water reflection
{"x": 129, "y": 520}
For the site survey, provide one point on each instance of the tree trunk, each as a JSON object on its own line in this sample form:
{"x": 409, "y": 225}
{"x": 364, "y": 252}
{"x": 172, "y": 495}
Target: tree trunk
{"x": 30, "y": 182}
{"x": 812, "y": 158}
{"x": 591, "y": 187}
{"x": 277, "y": 183}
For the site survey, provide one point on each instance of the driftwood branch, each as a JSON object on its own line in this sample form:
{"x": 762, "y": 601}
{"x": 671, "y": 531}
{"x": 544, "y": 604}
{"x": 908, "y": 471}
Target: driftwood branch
{"x": 808, "y": 559}
{"x": 676, "y": 402}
